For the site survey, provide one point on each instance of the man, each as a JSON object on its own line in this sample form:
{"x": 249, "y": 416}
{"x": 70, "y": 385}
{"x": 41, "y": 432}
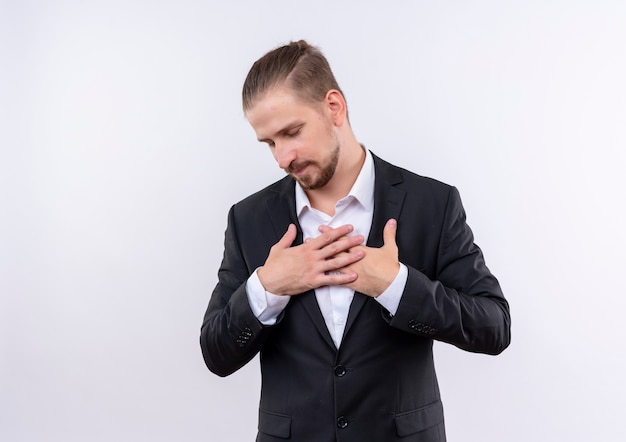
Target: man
{"x": 343, "y": 273}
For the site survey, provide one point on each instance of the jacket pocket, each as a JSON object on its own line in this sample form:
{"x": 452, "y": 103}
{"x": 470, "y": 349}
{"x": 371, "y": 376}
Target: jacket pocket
{"x": 414, "y": 421}
{"x": 273, "y": 424}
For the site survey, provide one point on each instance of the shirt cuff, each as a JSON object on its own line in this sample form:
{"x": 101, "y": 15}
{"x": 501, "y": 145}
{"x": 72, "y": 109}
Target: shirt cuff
{"x": 266, "y": 306}
{"x": 390, "y": 298}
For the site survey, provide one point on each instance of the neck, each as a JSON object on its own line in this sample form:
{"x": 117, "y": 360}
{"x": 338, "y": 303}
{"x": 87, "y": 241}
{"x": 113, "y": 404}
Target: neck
{"x": 351, "y": 159}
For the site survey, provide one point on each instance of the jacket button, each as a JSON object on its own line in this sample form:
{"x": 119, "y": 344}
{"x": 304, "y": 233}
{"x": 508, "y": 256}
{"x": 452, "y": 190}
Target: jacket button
{"x": 342, "y": 422}
{"x": 340, "y": 371}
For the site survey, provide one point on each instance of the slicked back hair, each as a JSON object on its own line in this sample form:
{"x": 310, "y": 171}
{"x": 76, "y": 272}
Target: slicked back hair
{"x": 298, "y": 65}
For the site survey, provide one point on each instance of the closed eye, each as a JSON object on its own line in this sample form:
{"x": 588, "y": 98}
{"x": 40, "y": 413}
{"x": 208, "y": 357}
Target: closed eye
{"x": 289, "y": 132}
{"x": 293, "y": 132}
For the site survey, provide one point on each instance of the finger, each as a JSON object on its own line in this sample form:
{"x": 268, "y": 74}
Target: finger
{"x": 389, "y": 233}
{"x": 343, "y": 244}
{"x": 324, "y": 229}
{"x": 340, "y": 261}
{"x": 337, "y": 278}
{"x": 329, "y": 235}
{"x": 347, "y": 228}
{"x": 288, "y": 238}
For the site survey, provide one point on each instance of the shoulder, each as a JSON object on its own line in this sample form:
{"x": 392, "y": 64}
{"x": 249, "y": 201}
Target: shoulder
{"x": 410, "y": 181}
{"x": 283, "y": 188}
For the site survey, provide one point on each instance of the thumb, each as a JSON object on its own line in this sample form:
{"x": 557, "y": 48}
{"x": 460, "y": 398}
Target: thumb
{"x": 288, "y": 238}
{"x": 389, "y": 233}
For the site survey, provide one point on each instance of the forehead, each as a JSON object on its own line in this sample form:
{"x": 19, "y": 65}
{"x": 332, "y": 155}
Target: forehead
{"x": 277, "y": 108}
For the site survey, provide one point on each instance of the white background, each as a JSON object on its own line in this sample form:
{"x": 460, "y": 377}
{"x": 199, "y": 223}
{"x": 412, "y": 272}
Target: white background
{"x": 120, "y": 122}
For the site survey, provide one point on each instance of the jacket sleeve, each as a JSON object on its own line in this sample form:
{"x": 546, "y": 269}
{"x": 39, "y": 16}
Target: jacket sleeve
{"x": 463, "y": 303}
{"x": 231, "y": 335}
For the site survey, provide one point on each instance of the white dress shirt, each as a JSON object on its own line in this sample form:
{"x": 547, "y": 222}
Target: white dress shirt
{"x": 357, "y": 208}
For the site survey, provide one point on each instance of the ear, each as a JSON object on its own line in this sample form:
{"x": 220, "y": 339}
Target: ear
{"x": 336, "y": 107}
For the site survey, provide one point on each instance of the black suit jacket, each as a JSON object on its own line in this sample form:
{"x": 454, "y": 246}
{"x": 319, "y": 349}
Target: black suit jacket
{"x": 380, "y": 385}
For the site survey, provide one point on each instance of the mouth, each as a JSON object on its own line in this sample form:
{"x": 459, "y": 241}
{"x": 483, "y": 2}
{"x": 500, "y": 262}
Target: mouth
{"x": 298, "y": 169}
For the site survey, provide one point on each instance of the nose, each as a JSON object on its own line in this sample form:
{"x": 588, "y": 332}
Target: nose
{"x": 284, "y": 155}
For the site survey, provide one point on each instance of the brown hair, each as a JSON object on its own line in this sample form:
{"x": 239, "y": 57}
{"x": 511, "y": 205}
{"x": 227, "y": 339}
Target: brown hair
{"x": 298, "y": 65}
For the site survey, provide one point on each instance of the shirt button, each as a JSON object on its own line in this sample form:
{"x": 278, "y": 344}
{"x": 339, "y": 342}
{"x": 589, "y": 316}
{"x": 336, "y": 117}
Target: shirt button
{"x": 340, "y": 371}
{"x": 340, "y": 321}
{"x": 342, "y": 422}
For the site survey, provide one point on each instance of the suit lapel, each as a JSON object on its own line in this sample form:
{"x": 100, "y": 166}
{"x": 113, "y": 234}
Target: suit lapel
{"x": 282, "y": 211}
{"x": 388, "y": 201}
{"x": 281, "y": 208}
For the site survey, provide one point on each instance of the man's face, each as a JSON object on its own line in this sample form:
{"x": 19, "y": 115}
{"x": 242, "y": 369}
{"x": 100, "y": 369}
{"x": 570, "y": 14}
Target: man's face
{"x": 299, "y": 134}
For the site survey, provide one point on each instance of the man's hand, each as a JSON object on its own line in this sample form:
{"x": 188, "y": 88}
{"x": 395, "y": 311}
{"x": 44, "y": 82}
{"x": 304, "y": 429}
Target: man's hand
{"x": 379, "y": 267}
{"x": 320, "y": 261}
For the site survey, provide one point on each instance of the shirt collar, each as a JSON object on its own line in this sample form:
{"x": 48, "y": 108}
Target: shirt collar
{"x": 362, "y": 190}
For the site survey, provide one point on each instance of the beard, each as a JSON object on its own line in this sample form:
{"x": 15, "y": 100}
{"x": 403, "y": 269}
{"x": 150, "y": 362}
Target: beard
{"x": 326, "y": 171}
